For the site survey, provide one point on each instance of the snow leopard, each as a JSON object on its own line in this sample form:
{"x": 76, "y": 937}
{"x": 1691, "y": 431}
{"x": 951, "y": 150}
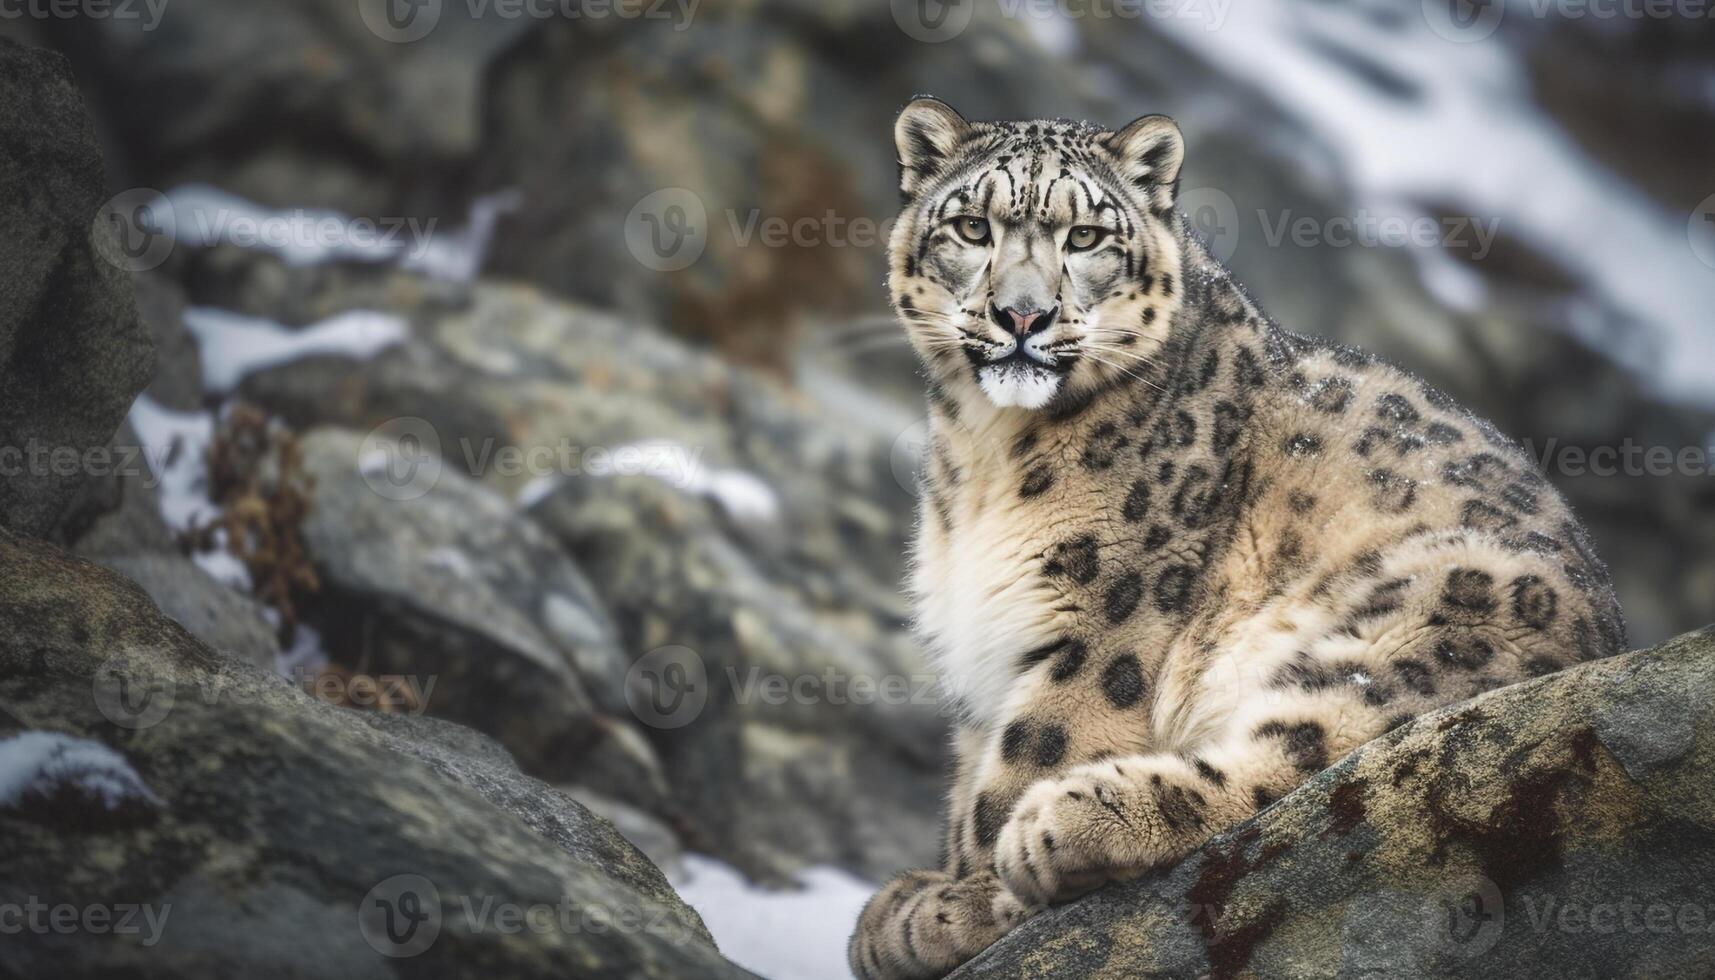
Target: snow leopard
{"x": 1171, "y": 560}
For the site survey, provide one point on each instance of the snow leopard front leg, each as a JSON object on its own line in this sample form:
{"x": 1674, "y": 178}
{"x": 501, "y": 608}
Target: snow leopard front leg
{"x": 924, "y": 923}
{"x": 1114, "y": 819}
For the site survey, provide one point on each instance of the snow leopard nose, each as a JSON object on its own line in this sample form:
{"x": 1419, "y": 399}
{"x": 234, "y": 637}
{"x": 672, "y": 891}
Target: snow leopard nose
{"x": 1023, "y": 323}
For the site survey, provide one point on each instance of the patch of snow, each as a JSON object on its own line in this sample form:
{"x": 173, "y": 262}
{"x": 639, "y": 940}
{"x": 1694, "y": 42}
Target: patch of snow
{"x": 176, "y": 447}
{"x": 452, "y": 561}
{"x": 1473, "y": 140}
{"x": 205, "y": 216}
{"x": 223, "y": 566}
{"x": 539, "y": 488}
{"x": 1454, "y": 284}
{"x": 458, "y": 256}
{"x": 306, "y": 654}
{"x": 743, "y": 495}
{"x": 41, "y": 763}
{"x": 782, "y": 935}
{"x": 234, "y": 346}
{"x": 570, "y": 621}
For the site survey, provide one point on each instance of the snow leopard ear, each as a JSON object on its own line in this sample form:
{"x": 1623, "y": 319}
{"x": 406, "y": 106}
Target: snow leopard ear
{"x": 925, "y": 136}
{"x": 1150, "y": 150}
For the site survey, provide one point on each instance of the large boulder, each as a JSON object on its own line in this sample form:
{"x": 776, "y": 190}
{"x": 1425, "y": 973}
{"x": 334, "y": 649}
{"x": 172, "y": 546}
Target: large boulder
{"x": 453, "y": 584}
{"x": 73, "y": 351}
{"x": 255, "y": 827}
{"x": 312, "y": 104}
{"x": 1560, "y": 827}
{"x": 749, "y": 526}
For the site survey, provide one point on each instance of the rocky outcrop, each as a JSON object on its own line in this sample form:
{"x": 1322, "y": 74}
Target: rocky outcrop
{"x": 1561, "y": 827}
{"x": 710, "y": 509}
{"x": 264, "y": 828}
{"x": 454, "y": 585}
{"x": 312, "y": 104}
{"x": 73, "y": 351}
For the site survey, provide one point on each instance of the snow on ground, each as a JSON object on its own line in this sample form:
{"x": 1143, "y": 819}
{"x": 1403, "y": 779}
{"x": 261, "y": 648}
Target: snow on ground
{"x": 306, "y": 655}
{"x": 457, "y": 256}
{"x": 744, "y": 496}
{"x": 782, "y": 935}
{"x": 233, "y": 346}
{"x": 41, "y": 763}
{"x": 175, "y": 444}
{"x": 204, "y": 216}
{"x": 1472, "y": 139}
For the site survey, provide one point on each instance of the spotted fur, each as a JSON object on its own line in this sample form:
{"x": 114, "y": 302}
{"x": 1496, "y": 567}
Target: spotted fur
{"x": 1183, "y": 559}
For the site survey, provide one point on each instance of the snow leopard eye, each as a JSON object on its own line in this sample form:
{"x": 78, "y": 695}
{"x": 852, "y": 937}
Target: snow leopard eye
{"x": 1084, "y": 237}
{"x": 973, "y": 230}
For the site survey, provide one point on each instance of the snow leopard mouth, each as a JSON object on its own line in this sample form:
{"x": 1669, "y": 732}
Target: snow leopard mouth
{"x": 1023, "y": 358}
{"x": 1019, "y": 380}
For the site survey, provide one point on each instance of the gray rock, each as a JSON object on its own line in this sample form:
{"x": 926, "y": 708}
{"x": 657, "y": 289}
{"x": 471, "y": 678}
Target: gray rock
{"x": 457, "y": 585}
{"x": 135, "y": 525}
{"x": 283, "y": 820}
{"x": 649, "y": 835}
{"x": 177, "y": 383}
{"x": 297, "y": 105}
{"x": 73, "y": 352}
{"x": 1560, "y": 827}
{"x": 229, "y": 622}
{"x": 771, "y": 546}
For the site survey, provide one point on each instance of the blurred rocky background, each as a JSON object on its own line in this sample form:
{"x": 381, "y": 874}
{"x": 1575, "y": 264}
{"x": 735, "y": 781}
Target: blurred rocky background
{"x": 522, "y": 387}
